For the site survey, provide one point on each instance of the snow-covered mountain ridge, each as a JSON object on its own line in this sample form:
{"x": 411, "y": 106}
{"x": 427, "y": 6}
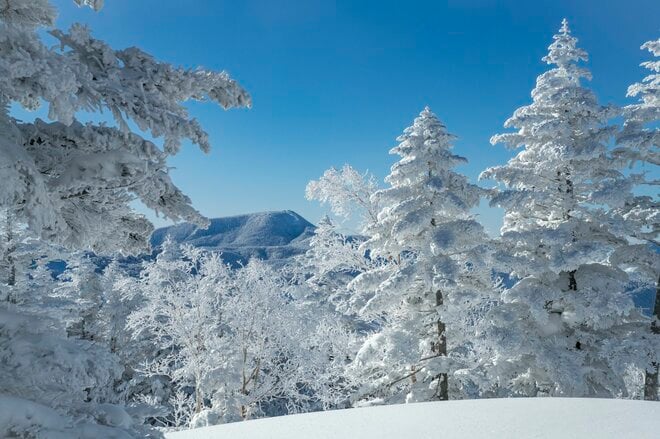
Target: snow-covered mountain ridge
{"x": 273, "y": 236}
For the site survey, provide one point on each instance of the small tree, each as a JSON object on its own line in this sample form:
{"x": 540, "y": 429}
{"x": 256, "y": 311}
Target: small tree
{"x": 331, "y": 263}
{"x": 347, "y": 192}
{"x": 81, "y": 287}
{"x": 181, "y": 314}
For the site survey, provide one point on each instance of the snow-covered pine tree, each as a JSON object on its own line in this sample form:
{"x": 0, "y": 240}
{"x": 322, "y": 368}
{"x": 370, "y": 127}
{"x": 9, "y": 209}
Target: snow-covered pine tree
{"x": 70, "y": 182}
{"x": 567, "y": 327}
{"x": 50, "y": 383}
{"x": 54, "y": 386}
{"x": 639, "y": 216}
{"x": 116, "y": 306}
{"x": 435, "y": 246}
{"x": 81, "y": 286}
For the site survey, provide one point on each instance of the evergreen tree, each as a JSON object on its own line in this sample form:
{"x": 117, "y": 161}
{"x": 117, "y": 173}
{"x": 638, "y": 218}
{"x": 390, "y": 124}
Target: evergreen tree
{"x": 434, "y": 247}
{"x": 639, "y": 217}
{"x": 567, "y": 327}
{"x": 81, "y": 286}
{"x": 73, "y": 183}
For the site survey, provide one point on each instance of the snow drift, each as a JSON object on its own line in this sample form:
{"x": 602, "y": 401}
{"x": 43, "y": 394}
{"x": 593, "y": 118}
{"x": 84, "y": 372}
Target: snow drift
{"x": 538, "y": 418}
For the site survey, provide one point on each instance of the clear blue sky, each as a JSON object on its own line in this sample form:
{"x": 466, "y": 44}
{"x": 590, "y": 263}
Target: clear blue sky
{"x": 337, "y": 82}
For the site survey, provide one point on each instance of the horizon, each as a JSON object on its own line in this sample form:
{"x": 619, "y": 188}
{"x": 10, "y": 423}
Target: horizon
{"x": 335, "y": 84}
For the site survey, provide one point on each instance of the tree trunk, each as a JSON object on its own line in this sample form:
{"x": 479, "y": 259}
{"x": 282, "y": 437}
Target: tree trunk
{"x": 11, "y": 248}
{"x": 440, "y": 348}
{"x": 198, "y": 398}
{"x": 572, "y": 283}
{"x": 651, "y": 380}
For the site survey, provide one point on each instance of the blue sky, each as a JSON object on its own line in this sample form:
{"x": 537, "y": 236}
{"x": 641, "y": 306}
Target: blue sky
{"x": 337, "y": 82}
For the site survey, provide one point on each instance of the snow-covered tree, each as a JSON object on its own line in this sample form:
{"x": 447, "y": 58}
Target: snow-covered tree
{"x": 181, "y": 316}
{"x": 73, "y": 183}
{"x": 81, "y": 286}
{"x": 639, "y": 217}
{"x": 234, "y": 343}
{"x": 57, "y": 384}
{"x": 639, "y": 139}
{"x": 435, "y": 250}
{"x": 54, "y": 386}
{"x": 331, "y": 263}
{"x": 117, "y": 303}
{"x": 8, "y": 246}
{"x": 261, "y": 328}
{"x": 567, "y": 327}
{"x": 347, "y": 192}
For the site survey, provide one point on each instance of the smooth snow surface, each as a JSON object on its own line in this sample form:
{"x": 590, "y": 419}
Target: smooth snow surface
{"x": 522, "y": 418}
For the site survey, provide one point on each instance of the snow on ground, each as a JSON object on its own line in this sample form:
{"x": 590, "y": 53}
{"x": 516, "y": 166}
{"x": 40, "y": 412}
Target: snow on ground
{"x": 516, "y": 418}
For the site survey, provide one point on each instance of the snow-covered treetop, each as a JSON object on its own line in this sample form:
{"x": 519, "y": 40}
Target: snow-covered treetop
{"x": 423, "y": 146}
{"x": 640, "y": 142}
{"x": 72, "y": 183}
{"x": 556, "y": 185}
{"x": 649, "y": 89}
{"x": 564, "y": 51}
{"x": 560, "y": 103}
{"x": 94, "y": 4}
{"x": 346, "y": 191}
{"x": 424, "y": 191}
{"x": 564, "y": 133}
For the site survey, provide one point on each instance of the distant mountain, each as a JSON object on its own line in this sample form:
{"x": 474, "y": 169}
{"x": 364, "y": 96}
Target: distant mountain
{"x": 272, "y": 236}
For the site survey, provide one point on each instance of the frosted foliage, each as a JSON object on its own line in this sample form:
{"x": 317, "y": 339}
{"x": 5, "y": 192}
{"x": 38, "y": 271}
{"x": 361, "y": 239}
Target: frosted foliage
{"x": 29, "y": 13}
{"x": 94, "y": 4}
{"x": 347, "y": 192}
{"x": 236, "y": 339}
{"x": 332, "y": 261}
{"x": 54, "y": 386}
{"x": 180, "y": 315}
{"x": 575, "y": 330}
{"x": 73, "y": 183}
{"x": 637, "y": 148}
{"x": 640, "y": 140}
{"x": 82, "y": 288}
{"x": 429, "y": 291}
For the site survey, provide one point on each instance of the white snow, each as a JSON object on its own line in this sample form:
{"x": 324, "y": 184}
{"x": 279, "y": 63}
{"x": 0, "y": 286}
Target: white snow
{"x": 272, "y": 236}
{"x": 528, "y": 418}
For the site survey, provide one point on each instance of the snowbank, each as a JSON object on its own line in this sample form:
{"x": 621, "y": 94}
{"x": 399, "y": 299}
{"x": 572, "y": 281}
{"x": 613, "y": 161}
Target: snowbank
{"x": 524, "y": 418}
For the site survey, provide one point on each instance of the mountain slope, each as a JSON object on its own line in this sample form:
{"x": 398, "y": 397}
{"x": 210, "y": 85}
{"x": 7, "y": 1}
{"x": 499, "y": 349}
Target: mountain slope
{"x": 273, "y": 236}
{"x": 538, "y": 418}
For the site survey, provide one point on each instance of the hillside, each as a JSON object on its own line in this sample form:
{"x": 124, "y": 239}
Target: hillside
{"x": 273, "y": 236}
{"x": 539, "y": 418}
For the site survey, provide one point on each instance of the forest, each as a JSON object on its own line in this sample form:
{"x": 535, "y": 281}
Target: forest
{"x": 104, "y": 335}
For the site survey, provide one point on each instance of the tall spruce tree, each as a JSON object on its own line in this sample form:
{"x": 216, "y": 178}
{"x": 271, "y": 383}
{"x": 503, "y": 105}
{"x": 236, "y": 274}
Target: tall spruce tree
{"x": 567, "y": 327}
{"x": 639, "y": 216}
{"x": 435, "y": 247}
